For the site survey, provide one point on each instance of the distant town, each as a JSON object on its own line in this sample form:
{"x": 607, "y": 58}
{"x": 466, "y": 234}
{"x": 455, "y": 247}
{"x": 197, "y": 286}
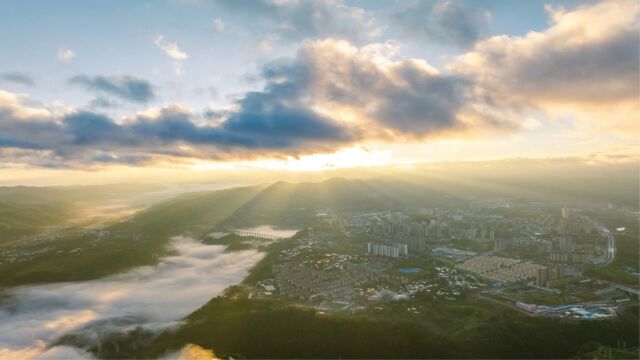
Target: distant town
{"x": 534, "y": 259}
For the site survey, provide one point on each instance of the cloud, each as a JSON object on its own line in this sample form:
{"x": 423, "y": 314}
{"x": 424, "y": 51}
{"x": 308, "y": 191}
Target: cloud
{"x": 367, "y": 91}
{"x": 32, "y": 318}
{"x": 65, "y": 55}
{"x": 298, "y": 20}
{"x": 191, "y": 352}
{"x": 266, "y": 120}
{"x": 13, "y": 106}
{"x": 218, "y": 25}
{"x": 585, "y": 65}
{"x": 122, "y": 86}
{"x": 170, "y": 49}
{"x": 330, "y": 96}
{"x": 104, "y": 103}
{"x": 80, "y": 138}
{"x": 18, "y": 78}
{"x": 445, "y": 21}
{"x": 334, "y": 94}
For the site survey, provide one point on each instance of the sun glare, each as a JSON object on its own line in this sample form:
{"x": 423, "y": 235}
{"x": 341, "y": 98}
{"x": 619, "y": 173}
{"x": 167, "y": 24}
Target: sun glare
{"x": 347, "y": 158}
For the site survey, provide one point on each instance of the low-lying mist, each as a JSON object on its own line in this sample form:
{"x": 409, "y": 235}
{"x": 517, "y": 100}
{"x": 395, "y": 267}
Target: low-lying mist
{"x": 33, "y": 318}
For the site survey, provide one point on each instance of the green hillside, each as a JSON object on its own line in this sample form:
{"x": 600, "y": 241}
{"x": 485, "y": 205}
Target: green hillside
{"x": 272, "y": 329}
{"x": 76, "y": 254}
{"x": 70, "y": 194}
{"x": 19, "y": 220}
{"x": 140, "y": 240}
{"x": 27, "y": 211}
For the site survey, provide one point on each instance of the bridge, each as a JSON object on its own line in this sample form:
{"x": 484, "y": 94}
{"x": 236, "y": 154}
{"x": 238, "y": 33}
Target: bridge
{"x": 258, "y": 235}
{"x": 627, "y": 290}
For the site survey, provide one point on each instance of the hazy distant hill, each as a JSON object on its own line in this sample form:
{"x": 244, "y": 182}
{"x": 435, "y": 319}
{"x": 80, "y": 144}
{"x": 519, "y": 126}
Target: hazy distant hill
{"x": 27, "y": 210}
{"x": 194, "y": 212}
{"x": 285, "y": 204}
{"x": 70, "y": 194}
{"x": 142, "y": 238}
{"x": 17, "y": 220}
{"x": 293, "y": 205}
{"x": 139, "y": 240}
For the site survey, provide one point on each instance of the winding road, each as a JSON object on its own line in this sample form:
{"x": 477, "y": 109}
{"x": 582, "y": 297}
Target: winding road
{"x": 611, "y": 243}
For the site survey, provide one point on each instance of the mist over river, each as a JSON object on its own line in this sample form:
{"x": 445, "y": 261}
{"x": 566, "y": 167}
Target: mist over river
{"x": 33, "y": 318}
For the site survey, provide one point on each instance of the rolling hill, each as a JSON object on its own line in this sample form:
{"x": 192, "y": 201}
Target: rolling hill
{"x": 293, "y": 205}
{"x": 77, "y": 254}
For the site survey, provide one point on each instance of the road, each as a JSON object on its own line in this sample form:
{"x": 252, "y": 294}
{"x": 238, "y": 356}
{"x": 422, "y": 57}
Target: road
{"x": 611, "y": 243}
{"x": 490, "y": 297}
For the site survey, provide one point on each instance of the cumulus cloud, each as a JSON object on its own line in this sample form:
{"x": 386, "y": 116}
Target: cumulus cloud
{"x": 171, "y": 49}
{"x": 584, "y": 65}
{"x": 83, "y": 137}
{"x": 122, "y": 86}
{"x": 33, "y": 318}
{"x": 371, "y": 94}
{"x": 331, "y": 95}
{"x": 17, "y": 78}
{"x": 65, "y": 55}
{"x": 445, "y": 21}
{"x": 14, "y": 106}
{"x": 298, "y": 20}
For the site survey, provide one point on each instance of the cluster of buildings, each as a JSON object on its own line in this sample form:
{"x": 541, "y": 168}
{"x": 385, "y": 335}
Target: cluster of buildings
{"x": 550, "y": 275}
{"x": 566, "y": 251}
{"x": 428, "y": 225}
{"x": 396, "y": 228}
{"x": 348, "y": 258}
{"x": 305, "y": 282}
{"x": 553, "y": 236}
{"x": 389, "y": 250}
{"x": 537, "y": 231}
{"x": 583, "y": 257}
{"x": 577, "y": 311}
{"x": 501, "y": 269}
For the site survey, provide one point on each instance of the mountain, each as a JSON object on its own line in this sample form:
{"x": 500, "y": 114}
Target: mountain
{"x": 71, "y": 194}
{"x": 81, "y": 254}
{"x": 27, "y": 211}
{"x": 194, "y": 212}
{"x": 293, "y": 205}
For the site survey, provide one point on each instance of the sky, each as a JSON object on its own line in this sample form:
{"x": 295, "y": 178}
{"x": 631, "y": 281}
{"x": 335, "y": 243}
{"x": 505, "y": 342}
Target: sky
{"x": 180, "y": 86}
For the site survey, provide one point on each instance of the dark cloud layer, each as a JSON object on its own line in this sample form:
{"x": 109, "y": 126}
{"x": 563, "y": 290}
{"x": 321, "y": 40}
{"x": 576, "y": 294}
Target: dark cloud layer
{"x": 122, "y": 86}
{"x": 18, "y": 78}
{"x": 103, "y": 102}
{"x": 445, "y": 21}
{"x": 260, "y": 127}
{"x": 407, "y": 98}
{"x": 266, "y": 121}
{"x": 300, "y": 110}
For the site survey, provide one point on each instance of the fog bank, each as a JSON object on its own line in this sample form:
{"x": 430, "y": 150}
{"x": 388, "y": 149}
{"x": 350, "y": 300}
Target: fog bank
{"x": 32, "y": 318}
